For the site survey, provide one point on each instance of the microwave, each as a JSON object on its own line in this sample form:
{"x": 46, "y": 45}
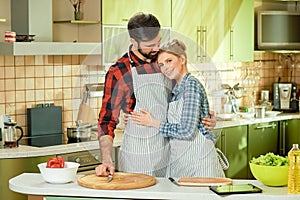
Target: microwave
{"x": 278, "y": 30}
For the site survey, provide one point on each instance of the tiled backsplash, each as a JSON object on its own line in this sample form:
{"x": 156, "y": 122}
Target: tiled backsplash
{"x": 26, "y": 81}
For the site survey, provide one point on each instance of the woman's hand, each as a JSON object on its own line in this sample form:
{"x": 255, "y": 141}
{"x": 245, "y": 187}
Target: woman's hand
{"x": 144, "y": 118}
{"x": 210, "y": 123}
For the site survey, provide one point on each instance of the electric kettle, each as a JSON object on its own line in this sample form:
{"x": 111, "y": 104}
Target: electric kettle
{"x": 10, "y": 136}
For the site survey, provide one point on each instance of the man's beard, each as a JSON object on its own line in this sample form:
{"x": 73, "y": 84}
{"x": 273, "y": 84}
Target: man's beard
{"x": 148, "y": 55}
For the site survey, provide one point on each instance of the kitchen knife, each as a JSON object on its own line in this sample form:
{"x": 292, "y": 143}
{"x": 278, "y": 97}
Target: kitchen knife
{"x": 173, "y": 181}
{"x": 109, "y": 178}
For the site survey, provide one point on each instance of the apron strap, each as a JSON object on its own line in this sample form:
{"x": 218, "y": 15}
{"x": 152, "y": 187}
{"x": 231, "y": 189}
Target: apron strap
{"x": 222, "y": 159}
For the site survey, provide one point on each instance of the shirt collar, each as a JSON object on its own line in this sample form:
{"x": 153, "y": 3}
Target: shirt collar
{"x": 180, "y": 87}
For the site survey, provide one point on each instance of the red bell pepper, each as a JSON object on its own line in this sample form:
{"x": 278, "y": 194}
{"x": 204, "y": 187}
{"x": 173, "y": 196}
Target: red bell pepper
{"x": 57, "y": 162}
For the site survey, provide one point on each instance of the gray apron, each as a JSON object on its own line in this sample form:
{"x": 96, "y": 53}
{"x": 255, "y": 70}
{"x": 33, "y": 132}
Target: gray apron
{"x": 144, "y": 149}
{"x": 191, "y": 158}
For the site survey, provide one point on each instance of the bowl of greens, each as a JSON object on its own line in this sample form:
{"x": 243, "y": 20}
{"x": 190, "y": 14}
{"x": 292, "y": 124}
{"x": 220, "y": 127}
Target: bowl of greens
{"x": 270, "y": 169}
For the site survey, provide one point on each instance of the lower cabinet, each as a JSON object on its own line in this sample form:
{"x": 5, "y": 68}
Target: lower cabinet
{"x": 11, "y": 167}
{"x": 241, "y": 143}
{"x": 233, "y": 143}
{"x": 289, "y": 135}
{"x": 262, "y": 139}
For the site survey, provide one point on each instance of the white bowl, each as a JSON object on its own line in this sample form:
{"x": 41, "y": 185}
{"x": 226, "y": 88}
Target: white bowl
{"x": 229, "y": 116}
{"x": 59, "y": 175}
{"x": 272, "y": 113}
{"x": 246, "y": 115}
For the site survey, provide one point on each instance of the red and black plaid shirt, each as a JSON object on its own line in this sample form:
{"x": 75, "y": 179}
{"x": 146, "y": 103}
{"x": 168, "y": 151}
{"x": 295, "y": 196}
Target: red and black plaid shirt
{"x": 118, "y": 91}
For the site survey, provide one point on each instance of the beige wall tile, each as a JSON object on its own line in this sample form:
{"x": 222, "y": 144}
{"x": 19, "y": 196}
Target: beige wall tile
{"x": 49, "y": 95}
{"x": 1, "y": 61}
{"x": 30, "y": 95}
{"x": 67, "y": 82}
{"x": 10, "y": 97}
{"x": 20, "y": 96}
{"x": 39, "y": 71}
{"x": 67, "y": 70}
{"x": 67, "y": 60}
{"x": 49, "y": 71}
{"x": 58, "y": 70}
{"x": 2, "y": 73}
{"x": 58, "y": 82}
{"x": 10, "y": 84}
{"x": 2, "y": 107}
{"x": 29, "y": 60}
{"x": 48, "y": 83}
{"x": 20, "y": 72}
{"x": 20, "y": 84}
{"x": 39, "y": 95}
{"x": 67, "y": 93}
{"x": 19, "y": 61}
{"x": 2, "y": 85}
{"x": 29, "y": 71}
{"x": 29, "y": 83}
{"x": 2, "y": 97}
{"x": 9, "y": 61}
{"x": 39, "y": 83}
{"x": 39, "y": 60}
{"x": 9, "y": 72}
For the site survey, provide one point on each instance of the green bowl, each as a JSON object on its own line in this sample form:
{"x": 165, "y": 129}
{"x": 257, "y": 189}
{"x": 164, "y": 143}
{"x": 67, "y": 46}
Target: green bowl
{"x": 270, "y": 175}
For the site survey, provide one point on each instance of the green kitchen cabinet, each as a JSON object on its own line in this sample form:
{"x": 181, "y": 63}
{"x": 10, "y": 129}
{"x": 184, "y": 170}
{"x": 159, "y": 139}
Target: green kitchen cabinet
{"x": 289, "y": 135}
{"x": 216, "y": 30}
{"x": 11, "y": 167}
{"x": 233, "y": 143}
{"x": 239, "y": 39}
{"x": 262, "y": 138}
{"x": 118, "y": 13}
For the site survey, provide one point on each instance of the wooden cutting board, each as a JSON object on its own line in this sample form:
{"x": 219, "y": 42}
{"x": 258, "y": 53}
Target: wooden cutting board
{"x": 195, "y": 181}
{"x": 120, "y": 181}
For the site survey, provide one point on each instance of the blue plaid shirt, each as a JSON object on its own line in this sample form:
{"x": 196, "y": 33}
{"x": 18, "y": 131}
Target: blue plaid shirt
{"x": 195, "y": 107}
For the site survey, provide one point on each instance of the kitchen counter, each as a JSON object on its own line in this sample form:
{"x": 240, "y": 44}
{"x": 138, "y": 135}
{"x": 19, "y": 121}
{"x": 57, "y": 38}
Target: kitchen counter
{"x": 30, "y": 151}
{"x": 241, "y": 121}
{"x": 33, "y": 184}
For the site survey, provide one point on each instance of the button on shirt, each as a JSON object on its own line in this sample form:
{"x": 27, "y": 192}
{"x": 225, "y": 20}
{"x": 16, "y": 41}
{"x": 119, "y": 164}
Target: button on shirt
{"x": 196, "y": 106}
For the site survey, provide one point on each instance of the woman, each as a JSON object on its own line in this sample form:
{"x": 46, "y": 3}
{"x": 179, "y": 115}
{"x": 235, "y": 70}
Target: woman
{"x": 192, "y": 146}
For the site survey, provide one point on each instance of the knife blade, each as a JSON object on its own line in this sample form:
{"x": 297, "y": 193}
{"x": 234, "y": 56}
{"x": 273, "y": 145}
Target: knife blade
{"x": 109, "y": 178}
{"x": 173, "y": 181}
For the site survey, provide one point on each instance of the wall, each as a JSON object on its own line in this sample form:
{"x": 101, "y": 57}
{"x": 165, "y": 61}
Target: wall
{"x": 29, "y": 80}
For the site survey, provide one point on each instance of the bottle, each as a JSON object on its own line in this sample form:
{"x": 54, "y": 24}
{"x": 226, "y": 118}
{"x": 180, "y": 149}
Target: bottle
{"x": 294, "y": 170}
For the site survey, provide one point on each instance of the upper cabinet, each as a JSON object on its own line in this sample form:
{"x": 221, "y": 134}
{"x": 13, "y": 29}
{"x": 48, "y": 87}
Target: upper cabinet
{"x": 67, "y": 29}
{"x": 216, "y": 30}
{"x": 4, "y": 18}
{"x": 119, "y": 13}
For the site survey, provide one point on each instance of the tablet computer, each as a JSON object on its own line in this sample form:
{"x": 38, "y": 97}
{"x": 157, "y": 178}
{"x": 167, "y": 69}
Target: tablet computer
{"x": 235, "y": 189}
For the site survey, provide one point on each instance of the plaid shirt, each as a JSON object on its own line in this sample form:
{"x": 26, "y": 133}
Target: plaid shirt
{"x": 118, "y": 91}
{"x": 195, "y": 107}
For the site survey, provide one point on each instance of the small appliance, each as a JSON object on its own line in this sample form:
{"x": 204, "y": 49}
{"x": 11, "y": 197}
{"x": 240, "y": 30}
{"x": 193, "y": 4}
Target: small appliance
{"x": 3, "y": 119}
{"x": 285, "y": 97}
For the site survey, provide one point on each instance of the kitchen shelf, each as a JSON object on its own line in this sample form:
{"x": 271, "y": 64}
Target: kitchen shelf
{"x": 49, "y": 48}
{"x": 78, "y": 21}
{"x": 2, "y": 20}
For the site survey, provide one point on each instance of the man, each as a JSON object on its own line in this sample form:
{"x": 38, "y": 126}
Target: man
{"x": 135, "y": 82}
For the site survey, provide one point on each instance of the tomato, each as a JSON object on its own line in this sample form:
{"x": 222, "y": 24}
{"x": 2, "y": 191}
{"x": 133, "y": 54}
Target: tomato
{"x": 57, "y": 162}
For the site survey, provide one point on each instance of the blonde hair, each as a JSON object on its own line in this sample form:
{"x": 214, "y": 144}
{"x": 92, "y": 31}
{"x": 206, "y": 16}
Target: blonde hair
{"x": 175, "y": 47}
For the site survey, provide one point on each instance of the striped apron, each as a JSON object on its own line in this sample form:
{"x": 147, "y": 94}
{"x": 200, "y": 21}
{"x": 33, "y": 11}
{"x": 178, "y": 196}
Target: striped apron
{"x": 191, "y": 158}
{"x": 144, "y": 149}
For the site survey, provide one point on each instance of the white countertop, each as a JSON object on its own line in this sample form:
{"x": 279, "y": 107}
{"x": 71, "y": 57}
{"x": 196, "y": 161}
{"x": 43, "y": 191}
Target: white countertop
{"x": 30, "y": 151}
{"x": 241, "y": 121}
{"x": 33, "y": 184}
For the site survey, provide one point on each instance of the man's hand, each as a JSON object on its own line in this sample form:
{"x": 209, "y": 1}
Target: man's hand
{"x": 210, "y": 123}
{"x": 104, "y": 170}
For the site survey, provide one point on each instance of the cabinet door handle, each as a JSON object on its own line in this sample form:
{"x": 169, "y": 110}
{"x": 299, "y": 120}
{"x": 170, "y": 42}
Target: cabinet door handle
{"x": 266, "y": 126}
{"x": 199, "y": 40}
{"x": 205, "y": 43}
{"x": 231, "y": 43}
{"x": 125, "y": 20}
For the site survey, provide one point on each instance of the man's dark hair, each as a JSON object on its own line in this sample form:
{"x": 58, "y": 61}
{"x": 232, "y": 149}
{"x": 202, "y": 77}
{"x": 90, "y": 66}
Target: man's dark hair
{"x": 143, "y": 27}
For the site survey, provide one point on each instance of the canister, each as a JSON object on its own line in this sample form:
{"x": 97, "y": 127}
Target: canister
{"x": 260, "y": 111}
